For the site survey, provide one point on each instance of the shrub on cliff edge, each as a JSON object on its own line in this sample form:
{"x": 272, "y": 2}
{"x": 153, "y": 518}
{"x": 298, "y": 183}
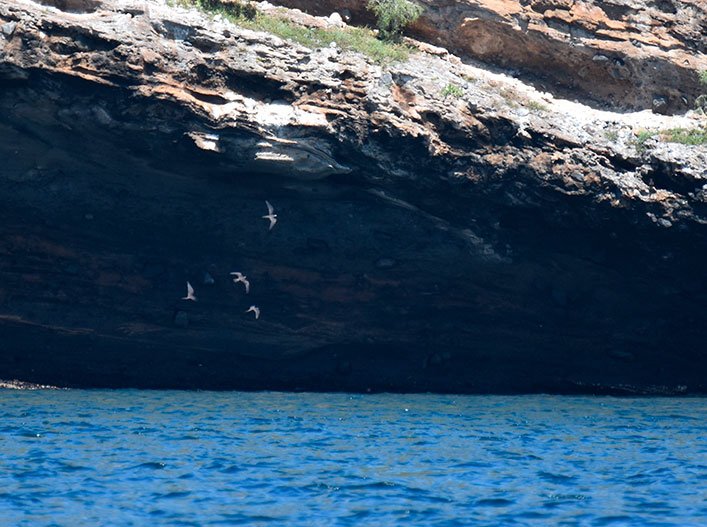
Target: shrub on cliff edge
{"x": 701, "y": 101}
{"x": 228, "y": 8}
{"x": 245, "y": 14}
{"x": 393, "y": 16}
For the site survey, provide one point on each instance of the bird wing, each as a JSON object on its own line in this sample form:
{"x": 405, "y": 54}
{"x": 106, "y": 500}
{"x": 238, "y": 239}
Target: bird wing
{"x": 247, "y": 286}
{"x": 273, "y": 221}
{"x": 270, "y": 208}
{"x": 190, "y": 290}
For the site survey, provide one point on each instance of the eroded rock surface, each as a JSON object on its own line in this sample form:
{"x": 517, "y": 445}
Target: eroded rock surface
{"x": 500, "y": 240}
{"x": 622, "y": 54}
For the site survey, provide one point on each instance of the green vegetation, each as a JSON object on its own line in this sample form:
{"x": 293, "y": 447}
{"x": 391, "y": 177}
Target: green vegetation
{"x": 642, "y": 137}
{"x": 685, "y": 136}
{"x": 233, "y": 9}
{"x": 536, "y": 106}
{"x": 246, "y": 15}
{"x": 701, "y": 100}
{"x": 611, "y": 135}
{"x": 452, "y": 90}
{"x": 701, "y": 103}
{"x": 393, "y": 16}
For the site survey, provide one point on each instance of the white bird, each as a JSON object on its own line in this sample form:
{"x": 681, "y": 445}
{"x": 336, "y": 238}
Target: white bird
{"x": 190, "y": 293}
{"x": 254, "y": 309}
{"x": 270, "y": 215}
{"x": 240, "y": 277}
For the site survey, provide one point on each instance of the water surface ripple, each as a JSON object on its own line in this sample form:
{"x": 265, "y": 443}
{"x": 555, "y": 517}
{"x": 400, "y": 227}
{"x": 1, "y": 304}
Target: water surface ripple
{"x": 202, "y": 458}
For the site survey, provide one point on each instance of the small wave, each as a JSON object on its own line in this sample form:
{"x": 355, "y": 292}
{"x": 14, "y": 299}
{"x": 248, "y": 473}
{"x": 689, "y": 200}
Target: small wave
{"x": 83, "y": 424}
{"x": 556, "y": 478}
{"x": 186, "y": 438}
{"x": 516, "y": 456}
{"x": 534, "y": 515}
{"x": 30, "y": 433}
{"x": 566, "y": 497}
{"x": 70, "y": 467}
{"x": 682, "y": 417}
{"x": 141, "y": 430}
{"x": 172, "y": 495}
{"x": 247, "y": 519}
{"x": 359, "y": 514}
{"x": 614, "y": 520}
{"x": 153, "y": 465}
{"x": 321, "y": 487}
{"x": 493, "y": 502}
{"x": 657, "y": 506}
{"x": 473, "y": 464}
{"x": 371, "y": 486}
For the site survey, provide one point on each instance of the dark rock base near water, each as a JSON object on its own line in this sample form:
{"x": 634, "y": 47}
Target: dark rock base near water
{"x": 446, "y": 246}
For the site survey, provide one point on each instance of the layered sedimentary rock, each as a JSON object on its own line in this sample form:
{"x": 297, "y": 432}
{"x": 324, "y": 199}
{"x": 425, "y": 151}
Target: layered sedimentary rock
{"x": 480, "y": 238}
{"x": 623, "y": 54}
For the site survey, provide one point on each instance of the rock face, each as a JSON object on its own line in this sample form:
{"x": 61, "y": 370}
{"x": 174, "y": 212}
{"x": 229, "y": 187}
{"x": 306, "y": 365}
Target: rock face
{"x": 622, "y": 54}
{"x": 486, "y": 238}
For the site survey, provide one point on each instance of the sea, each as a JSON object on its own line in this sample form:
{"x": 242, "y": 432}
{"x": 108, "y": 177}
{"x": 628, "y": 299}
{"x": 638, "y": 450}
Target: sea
{"x": 184, "y": 458}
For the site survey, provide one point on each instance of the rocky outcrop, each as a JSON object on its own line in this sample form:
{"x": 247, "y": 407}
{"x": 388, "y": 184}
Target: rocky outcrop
{"x": 485, "y": 238}
{"x": 620, "y": 54}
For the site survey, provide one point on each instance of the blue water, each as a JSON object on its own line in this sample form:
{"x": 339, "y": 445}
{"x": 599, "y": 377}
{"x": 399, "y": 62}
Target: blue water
{"x": 74, "y": 458}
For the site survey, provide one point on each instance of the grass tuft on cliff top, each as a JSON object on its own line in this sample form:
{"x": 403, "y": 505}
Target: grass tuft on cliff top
{"x": 683, "y": 136}
{"x": 358, "y": 39}
{"x": 452, "y": 90}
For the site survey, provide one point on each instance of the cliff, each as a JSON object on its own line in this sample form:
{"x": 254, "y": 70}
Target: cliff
{"x": 441, "y": 226}
{"x": 620, "y": 54}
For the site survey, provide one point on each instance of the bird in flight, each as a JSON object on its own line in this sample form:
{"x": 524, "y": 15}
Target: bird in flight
{"x": 190, "y": 293}
{"x": 254, "y": 309}
{"x": 240, "y": 277}
{"x": 270, "y": 215}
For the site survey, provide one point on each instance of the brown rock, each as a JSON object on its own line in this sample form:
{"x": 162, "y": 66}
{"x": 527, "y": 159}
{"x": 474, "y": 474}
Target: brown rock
{"x": 653, "y": 49}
